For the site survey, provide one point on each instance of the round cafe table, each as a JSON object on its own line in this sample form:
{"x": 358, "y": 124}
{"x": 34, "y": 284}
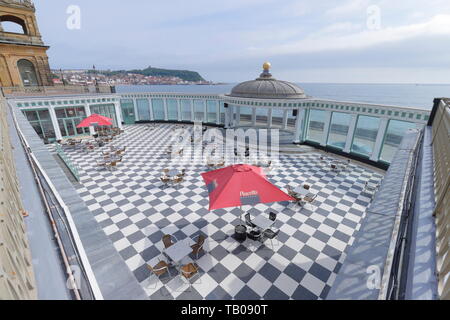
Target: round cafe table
{"x": 173, "y": 172}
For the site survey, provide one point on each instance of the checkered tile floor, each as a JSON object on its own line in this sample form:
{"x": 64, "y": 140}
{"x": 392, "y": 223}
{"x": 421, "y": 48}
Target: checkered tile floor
{"x": 135, "y": 212}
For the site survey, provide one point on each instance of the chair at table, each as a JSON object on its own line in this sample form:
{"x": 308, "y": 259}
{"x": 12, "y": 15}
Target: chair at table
{"x": 167, "y": 240}
{"x": 198, "y": 246}
{"x": 159, "y": 269}
{"x": 248, "y": 221}
{"x": 269, "y": 234}
{"x": 111, "y": 165}
{"x": 295, "y": 195}
{"x": 165, "y": 180}
{"x": 101, "y": 164}
{"x": 272, "y": 216}
{"x": 189, "y": 271}
{"x": 178, "y": 180}
{"x": 311, "y": 199}
{"x": 370, "y": 188}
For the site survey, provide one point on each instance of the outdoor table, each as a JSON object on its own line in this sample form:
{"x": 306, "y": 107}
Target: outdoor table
{"x": 179, "y": 250}
{"x": 303, "y": 192}
{"x": 262, "y": 222}
{"x": 173, "y": 172}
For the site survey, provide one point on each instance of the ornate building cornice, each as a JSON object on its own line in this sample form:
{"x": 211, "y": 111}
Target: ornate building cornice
{"x": 18, "y": 4}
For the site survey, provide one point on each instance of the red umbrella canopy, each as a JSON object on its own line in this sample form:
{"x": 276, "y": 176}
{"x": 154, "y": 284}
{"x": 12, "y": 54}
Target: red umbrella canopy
{"x": 95, "y": 119}
{"x": 239, "y": 185}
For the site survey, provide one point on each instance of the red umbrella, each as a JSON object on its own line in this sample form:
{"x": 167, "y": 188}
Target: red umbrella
{"x": 95, "y": 119}
{"x": 239, "y": 185}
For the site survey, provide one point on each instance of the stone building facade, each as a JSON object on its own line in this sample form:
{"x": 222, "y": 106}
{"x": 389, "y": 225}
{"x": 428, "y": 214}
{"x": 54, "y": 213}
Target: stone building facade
{"x": 17, "y": 280}
{"x": 23, "y": 54}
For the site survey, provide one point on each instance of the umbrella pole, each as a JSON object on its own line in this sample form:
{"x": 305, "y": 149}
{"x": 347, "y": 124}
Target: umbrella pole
{"x": 240, "y": 217}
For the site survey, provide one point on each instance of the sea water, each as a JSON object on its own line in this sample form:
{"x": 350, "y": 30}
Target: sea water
{"x": 404, "y": 95}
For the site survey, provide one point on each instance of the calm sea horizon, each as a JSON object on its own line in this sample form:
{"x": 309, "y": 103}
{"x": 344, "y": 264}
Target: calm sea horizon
{"x": 404, "y": 95}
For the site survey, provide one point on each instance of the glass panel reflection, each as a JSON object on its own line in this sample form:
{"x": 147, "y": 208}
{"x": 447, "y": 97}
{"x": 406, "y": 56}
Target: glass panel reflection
{"x": 158, "y": 109}
{"x": 316, "y": 125}
{"x": 262, "y": 117}
{"x": 211, "y": 110}
{"x": 393, "y": 137}
{"x": 222, "y": 113}
{"x": 292, "y": 117}
{"x": 245, "y": 116}
{"x": 199, "y": 110}
{"x": 277, "y": 118}
{"x": 186, "y": 110}
{"x": 365, "y": 135}
{"x": 339, "y": 125}
{"x": 143, "y": 108}
{"x": 172, "y": 109}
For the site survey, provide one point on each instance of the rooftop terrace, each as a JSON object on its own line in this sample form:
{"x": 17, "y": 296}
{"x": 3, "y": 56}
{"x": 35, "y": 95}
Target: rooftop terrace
{"x": 135, "y": 211}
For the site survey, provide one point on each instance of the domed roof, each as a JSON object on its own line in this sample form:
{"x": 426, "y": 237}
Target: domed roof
{"x": 266, "y": 87}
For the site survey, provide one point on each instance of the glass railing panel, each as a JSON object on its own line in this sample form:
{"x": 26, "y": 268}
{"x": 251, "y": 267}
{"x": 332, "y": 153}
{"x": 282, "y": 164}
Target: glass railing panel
{"x": 277, "y": 118}
{"x": 186, "y": 110}
{"x": 365, "y": 135}
{"x": 158, "y": 109}
{"x": 291, "y": 120}
{"x": 393, "y": 137}
{"x": 143, "y": 108}
{"x": 172, "y": 109}
{"x": 211, "y": 106}
{"x": 222, "y": 113}
{"x": 316, "y": 125}
{"x": 339, "y": 126}
{"x": 261, "y": 117}
{"x": 199, "y": 110}
{"x": 245, "y": 116}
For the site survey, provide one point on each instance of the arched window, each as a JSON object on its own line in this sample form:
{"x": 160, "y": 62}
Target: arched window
{"x": 13, "y": 24}
{"x": 27, "y": 73}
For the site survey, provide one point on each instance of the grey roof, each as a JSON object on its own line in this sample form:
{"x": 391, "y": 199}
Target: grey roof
{"x": 266, "y": 87}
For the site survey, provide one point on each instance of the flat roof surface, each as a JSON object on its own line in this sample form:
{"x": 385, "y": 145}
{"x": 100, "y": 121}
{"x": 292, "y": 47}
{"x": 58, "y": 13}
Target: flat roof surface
{"x": 134, "y": 210}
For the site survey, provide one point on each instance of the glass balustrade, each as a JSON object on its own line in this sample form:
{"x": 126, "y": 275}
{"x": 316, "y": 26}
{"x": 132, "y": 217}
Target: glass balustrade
{"x": 338, "y": 131}
{"x": 143, "y": 108}
{"x": 316, "y": 125}
{"x": 365, "y": 135}
{"x": 158, "y": 109}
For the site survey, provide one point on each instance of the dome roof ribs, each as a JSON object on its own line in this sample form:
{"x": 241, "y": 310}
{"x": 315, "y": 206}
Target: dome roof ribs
{"x": 267, "y": 87}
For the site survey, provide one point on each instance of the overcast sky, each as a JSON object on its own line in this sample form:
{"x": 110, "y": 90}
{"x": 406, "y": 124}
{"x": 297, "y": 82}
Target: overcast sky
{"x": 306, "y": 41}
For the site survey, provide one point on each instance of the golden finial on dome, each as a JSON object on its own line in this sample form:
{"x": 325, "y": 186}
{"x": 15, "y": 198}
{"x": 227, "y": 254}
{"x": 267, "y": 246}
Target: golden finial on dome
{"x": 266, "y": 66}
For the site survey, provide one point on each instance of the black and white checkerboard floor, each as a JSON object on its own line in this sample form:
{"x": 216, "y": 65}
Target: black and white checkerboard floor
{"x": 135, "y": 212}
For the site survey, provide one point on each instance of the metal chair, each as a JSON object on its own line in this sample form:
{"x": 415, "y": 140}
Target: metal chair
{"x": 248, "y": 221}
{"x": 310, "y": 200}
{"x": 101, "y": 164}
{"x": 167, "y": 240}
{"x": 178, "y": 180}
{"x": 272, "y": 216}
{"x": 165, "y": 180}
{"x": 111, "y": 165}
{"x": 159, "y": 269}
{"x": 198, "y": 246}
{"x": 269, "y": 234}
{"x": 189, "y": 271}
